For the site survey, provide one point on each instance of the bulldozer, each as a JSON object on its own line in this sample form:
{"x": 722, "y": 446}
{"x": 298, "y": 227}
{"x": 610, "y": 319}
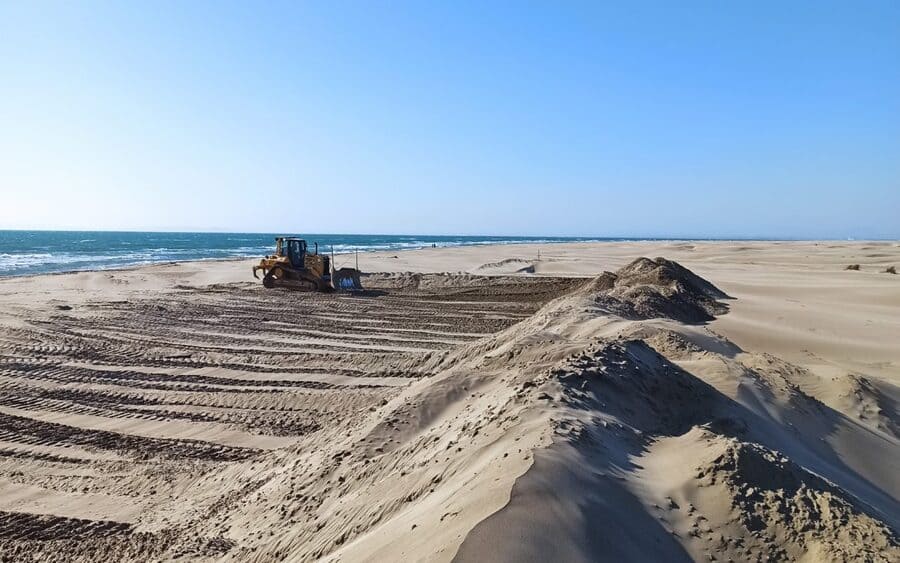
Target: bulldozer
{"x": 294, "y": 266}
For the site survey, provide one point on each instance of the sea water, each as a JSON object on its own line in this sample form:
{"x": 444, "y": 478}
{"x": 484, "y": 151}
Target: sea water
{"x": 40, "y": 252}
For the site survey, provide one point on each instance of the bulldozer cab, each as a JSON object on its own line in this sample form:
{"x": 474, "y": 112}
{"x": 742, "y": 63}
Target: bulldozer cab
{"x": 296, "y": 252}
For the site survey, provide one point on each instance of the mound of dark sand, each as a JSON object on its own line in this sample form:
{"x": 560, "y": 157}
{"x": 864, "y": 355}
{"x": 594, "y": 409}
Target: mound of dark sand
{"x": 787, "y": 507}
{"x": 640, "y": 387}
{"x": 660, "y": 288}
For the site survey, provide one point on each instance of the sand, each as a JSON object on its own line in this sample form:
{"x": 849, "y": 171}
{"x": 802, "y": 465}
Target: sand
{"x": 732, "y": 401}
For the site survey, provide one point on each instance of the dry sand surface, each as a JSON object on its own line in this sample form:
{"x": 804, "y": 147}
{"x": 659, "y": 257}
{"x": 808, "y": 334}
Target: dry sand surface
{"x": 733, "y": 401}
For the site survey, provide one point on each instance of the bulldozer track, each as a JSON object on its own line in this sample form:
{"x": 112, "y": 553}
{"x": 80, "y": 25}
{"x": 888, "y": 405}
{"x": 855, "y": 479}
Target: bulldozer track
{"x": 88, "y": 397}
{"x": 17, "y": 526}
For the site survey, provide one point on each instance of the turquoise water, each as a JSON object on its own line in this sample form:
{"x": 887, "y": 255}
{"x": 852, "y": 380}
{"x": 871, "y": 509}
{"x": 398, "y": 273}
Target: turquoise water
{"x": 40, "y": 252}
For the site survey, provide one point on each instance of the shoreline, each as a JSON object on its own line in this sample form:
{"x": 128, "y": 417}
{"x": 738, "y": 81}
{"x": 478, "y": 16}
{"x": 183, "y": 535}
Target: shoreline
{"x": 126, "y": 268}
{"x": 655, "y": 243}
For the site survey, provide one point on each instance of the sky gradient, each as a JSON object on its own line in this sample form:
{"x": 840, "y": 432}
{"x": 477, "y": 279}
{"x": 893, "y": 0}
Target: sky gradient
{"x": 662, "y": 119}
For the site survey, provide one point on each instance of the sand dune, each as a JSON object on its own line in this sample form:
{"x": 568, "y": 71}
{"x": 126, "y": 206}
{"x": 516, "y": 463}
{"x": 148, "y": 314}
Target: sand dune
{"x": 724, "y": 402}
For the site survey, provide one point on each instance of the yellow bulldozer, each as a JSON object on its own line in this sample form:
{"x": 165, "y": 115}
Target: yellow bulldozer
{"x": 295, "y": 267}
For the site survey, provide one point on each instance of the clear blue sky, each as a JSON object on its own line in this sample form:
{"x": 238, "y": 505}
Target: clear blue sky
{"x": 713, "y": 119}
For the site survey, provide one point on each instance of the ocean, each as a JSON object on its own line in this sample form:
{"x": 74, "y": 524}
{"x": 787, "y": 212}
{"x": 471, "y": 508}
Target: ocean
{"x": 40, "y": 252}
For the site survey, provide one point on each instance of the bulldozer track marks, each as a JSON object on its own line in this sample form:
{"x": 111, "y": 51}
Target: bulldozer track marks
{"x": 74, "y": 374}
{"x": 19, "y": 526}
{"x": 8, "y": 453}
{"x": 82, "y": 392}
{"x": 26, "y": 430}
{"x": 45, "y": 537}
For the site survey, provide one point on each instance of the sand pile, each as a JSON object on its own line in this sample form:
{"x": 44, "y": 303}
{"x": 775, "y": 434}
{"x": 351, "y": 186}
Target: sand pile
{"x": 647, "y": 289}
{"x": 508, "y": 266}
{"x": 630, "y": 381}
{"x": 621, "y": 479}
{"x": 792, "y": 512}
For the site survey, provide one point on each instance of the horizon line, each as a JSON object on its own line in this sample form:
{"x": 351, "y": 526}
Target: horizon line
{"x": 584, "y": 238}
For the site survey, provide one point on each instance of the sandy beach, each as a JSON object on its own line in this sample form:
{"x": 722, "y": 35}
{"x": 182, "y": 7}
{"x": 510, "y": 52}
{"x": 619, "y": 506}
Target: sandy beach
{"x": 727, "y": 401}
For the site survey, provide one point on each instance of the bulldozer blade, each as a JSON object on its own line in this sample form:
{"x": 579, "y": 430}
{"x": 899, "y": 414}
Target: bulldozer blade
{"x": 346, "y": 279}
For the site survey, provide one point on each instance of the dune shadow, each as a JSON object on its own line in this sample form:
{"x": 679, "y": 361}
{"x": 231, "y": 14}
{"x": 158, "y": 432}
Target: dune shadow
{"x": 574, "y": 504}
{"x": 801, "y": 435}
